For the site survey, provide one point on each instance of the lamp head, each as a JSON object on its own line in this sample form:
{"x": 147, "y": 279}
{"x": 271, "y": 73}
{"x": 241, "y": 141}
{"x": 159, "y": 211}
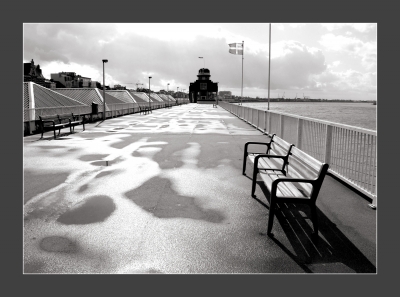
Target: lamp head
{"x": 105, "y": 61}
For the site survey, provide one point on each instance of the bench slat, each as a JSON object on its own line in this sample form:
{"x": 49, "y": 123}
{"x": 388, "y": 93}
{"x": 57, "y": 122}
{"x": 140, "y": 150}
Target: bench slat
{"x": 267, "y": 163}
{"x": 281, "y": 143}
{"x": 302, "y": 156}
{"x": 284, "y": 189}
{"x": 276, "y": 149}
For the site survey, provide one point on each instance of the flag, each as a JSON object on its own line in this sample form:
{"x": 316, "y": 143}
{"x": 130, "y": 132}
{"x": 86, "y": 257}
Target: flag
{"x": 236, "y": 48}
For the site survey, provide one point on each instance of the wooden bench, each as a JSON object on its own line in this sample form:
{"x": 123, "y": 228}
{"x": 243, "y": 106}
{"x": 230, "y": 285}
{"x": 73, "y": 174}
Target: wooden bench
{"x": 298, "y": 181}
{"x": 76, "y": 120}
{"x": 60, "y": 121}
{"x": 275, "y": 146}
{"x": 144, "y": 109}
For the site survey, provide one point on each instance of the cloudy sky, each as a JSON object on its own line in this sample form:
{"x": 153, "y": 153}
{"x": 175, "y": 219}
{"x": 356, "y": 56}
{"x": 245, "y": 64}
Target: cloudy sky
{"x": 319, "y": 60}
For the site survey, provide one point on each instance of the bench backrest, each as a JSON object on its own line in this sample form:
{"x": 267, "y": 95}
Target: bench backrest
{"x": 278, "y": 146}
{"x": 65, "y": 118}
{"x": 302, "y": 165}
{"x": 48, "y": 118}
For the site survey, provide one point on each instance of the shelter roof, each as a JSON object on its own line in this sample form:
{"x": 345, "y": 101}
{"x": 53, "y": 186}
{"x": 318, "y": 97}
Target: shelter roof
{"x": 84, "y": 95}
{"x": 122, "y": 95}
{"x": 44, "y": 97}
{"x": 155, "y": 97}
{"x": 139, "y": 97}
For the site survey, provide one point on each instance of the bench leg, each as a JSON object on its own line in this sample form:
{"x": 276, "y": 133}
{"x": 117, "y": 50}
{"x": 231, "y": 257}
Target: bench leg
{"x": 271, "y": 216}
{"x": 244, "y": 162}
{"x": 54, "y": 133}
{"x": 253, "y": 185}
{"x": 314, "y": 219}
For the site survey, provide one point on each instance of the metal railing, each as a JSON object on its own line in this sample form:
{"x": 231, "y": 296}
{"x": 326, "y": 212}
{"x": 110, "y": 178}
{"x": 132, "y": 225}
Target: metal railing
{"x": 351, "y": 152}
{"x": 45, "y": 111}
{"x": 112, "y": 110}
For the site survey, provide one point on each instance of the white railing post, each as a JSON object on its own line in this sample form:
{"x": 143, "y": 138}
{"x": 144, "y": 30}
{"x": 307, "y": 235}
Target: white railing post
{"x": 265, "y": 121}
{"x": 269, "y": 122}
{"x": 299, "y": 133}
{"x": 281, "y": 126}
{"x": 328, "y": 144}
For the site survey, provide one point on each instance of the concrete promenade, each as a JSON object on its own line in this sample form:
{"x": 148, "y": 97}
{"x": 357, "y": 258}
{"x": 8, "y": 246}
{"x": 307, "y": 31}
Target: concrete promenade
{"x": 164, "y": 193}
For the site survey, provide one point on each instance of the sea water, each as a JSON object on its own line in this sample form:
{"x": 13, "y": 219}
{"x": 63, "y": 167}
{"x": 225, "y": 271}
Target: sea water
{"x": 363, "y": 115}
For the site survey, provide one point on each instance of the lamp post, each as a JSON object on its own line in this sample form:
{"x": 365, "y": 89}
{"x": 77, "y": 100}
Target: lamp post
{"x": 104, "y": 93}
{"x": 167, "y": 88}
{"x": 177, "y": 90}
{"x": 269, "y": 63}
{"x": 149, "y": 92}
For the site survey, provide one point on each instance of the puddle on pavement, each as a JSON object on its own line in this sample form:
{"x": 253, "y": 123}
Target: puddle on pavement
{"x": 93, "y": 210}
{"x": 104, "y": 173}
{"x": 58, "y": 244}
{"x": 92, "y": 157}
{"x": 83, "y": 188}
{"x": 51, "y": 147}
{"x": 41, "y": 182}
{"x": 163, "y": 202}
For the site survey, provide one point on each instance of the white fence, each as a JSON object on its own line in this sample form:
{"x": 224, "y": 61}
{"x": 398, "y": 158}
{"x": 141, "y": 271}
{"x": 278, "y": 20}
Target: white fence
{"x": 351, "y": 152}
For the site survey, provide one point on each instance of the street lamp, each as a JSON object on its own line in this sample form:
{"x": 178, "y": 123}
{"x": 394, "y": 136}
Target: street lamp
{"x": 104, "y": 93}
{"x": 177, "y": 90}
{"x": 167, "y": 88}
{"x": 149, "y": 93}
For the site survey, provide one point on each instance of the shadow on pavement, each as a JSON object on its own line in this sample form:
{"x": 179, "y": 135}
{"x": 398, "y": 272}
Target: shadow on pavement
{"x": 331, "y": 252}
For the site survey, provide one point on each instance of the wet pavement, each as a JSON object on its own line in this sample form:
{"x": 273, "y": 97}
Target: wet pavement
{"x": 164, "y": 193}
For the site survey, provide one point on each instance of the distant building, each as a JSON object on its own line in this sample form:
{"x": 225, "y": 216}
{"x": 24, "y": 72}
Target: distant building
{"x": 34, "y": 74}
{"x": 225, "y": 94}
{"x": 119, "y": 87}
{"x": 72, "y": 80}
{"x": 203, "y": 88}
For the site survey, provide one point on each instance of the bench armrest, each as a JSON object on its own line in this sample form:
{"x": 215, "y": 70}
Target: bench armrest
{"x": 269, "y": 156}
{"x": 253, "y": 142}
{"x": 290, "y": 179}
{"x": 274, "y": 185}
{"x": 268, "y": 144}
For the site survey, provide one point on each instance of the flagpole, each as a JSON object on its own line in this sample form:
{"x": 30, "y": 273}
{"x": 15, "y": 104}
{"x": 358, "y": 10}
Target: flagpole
{"x": 241, "y": 97}
{"x": 269, "y": 63}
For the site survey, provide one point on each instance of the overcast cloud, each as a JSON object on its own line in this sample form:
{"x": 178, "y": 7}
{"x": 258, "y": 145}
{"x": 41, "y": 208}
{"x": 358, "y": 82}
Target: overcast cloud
{"x": 318, "y": 60}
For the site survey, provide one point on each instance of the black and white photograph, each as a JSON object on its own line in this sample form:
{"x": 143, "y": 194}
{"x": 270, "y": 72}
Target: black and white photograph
{"x": 218, "y": 148}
